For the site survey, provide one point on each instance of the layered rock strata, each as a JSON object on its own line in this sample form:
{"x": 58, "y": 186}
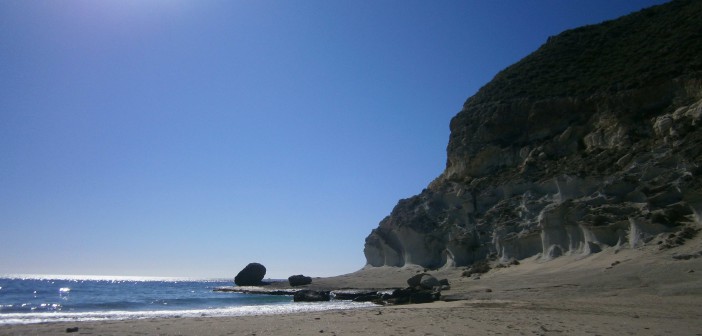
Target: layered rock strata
{"x": 574, "y": 164}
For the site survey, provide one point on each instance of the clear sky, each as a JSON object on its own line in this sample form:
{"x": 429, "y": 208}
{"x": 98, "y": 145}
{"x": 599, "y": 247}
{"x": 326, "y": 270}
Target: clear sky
{"x": 174, "y": 138}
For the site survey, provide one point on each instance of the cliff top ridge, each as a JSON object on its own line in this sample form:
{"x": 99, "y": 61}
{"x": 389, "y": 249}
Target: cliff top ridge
{"x": 644, "y": 48}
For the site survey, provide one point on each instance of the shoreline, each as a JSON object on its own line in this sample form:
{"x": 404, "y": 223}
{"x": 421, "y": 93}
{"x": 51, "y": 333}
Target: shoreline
{"x": 486, "y": 317}
{"x": 28, "y": 319}
{"x": 642, "y": 291}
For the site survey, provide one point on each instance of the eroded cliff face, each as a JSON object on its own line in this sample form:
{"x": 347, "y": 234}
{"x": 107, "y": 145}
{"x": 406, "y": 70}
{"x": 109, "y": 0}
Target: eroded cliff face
{"x": 550, "y": 176}
{"x": 552, "y": 185}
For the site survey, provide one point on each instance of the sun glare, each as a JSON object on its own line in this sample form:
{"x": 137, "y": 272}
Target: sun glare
{"x": 123, "y": 16}
{"x": 97, "y": 277}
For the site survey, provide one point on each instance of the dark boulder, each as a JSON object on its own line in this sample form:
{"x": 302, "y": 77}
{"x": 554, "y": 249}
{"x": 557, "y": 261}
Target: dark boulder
{"x": 251, "y": 275}
{"x": 299, "y": 280}
{"x": 413, "y": 295}
{"x": 415, "y": 279}
{"x": 429, "y": 282}
{"x": 308, "y": 295}
{"x": 423, "y": 280}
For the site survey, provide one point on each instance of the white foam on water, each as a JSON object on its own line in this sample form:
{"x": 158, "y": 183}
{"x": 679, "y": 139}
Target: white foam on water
{"x": 288, "y": 308}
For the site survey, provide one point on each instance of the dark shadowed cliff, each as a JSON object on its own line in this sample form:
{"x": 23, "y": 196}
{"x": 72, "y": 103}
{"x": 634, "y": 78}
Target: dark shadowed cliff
{"x": 591, "y": 141}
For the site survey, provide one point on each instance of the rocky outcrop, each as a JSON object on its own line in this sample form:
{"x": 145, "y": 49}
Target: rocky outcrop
{"x": 410, "y": 295}
{"x": 425, "y": 281}
{"x": 477, "y": 268}
{"x": 308, "y": 295}
{"x": 251, "y": 275}
{"x": 613, "y": 163}
{"x": 299, "y": 280}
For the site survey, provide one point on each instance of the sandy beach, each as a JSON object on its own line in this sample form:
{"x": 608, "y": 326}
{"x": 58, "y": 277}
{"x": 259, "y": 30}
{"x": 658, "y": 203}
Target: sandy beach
{"x": 615, "y": 292}
{"x": 645, "y": 316}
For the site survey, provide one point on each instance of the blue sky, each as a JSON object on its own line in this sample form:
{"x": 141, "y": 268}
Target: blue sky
{"x": 173, "y": 138}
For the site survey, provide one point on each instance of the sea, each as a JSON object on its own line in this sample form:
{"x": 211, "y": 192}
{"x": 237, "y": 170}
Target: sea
{"x": 26, "y": 299}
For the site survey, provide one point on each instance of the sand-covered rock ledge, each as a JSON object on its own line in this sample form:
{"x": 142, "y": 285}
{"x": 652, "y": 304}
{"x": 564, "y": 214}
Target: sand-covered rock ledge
{"x": 615, "y": 292}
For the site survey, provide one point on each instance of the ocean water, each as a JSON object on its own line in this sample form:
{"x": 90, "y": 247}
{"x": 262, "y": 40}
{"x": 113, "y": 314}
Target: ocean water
{"x": 36, "y": 299}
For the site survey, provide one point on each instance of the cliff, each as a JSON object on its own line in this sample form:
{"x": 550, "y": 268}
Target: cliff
{"x": 591, "y": 141}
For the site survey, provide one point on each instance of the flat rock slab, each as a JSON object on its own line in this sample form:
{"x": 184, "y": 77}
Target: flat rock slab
{"x": 256, "y": 290}
{"x": 343, "y": 294}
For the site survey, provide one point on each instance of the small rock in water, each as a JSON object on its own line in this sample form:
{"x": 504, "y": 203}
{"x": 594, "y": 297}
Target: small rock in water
{"x": 72, "y": 330}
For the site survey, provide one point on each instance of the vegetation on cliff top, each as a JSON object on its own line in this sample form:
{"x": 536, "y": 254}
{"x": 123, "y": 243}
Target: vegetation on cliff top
{"x": 642, "y": 49}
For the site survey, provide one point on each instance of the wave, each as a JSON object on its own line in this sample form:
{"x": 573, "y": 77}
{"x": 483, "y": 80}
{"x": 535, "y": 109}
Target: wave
{"x": 127, "y": 305}
{"x": 286, "y": 308}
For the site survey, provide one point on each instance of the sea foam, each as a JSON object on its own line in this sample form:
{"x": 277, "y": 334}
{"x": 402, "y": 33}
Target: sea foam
{"x": 289, "y": 308}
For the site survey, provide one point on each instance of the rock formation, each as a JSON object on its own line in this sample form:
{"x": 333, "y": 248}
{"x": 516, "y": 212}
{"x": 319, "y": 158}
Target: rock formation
{"x": 251, "y": 275}
{"x": 409, "y": 295}
{"x": 424, "y": 281}
{"x": 299, "y": 280}
{"x": 591, "y": 141}
{"x": 308, "y": 295}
